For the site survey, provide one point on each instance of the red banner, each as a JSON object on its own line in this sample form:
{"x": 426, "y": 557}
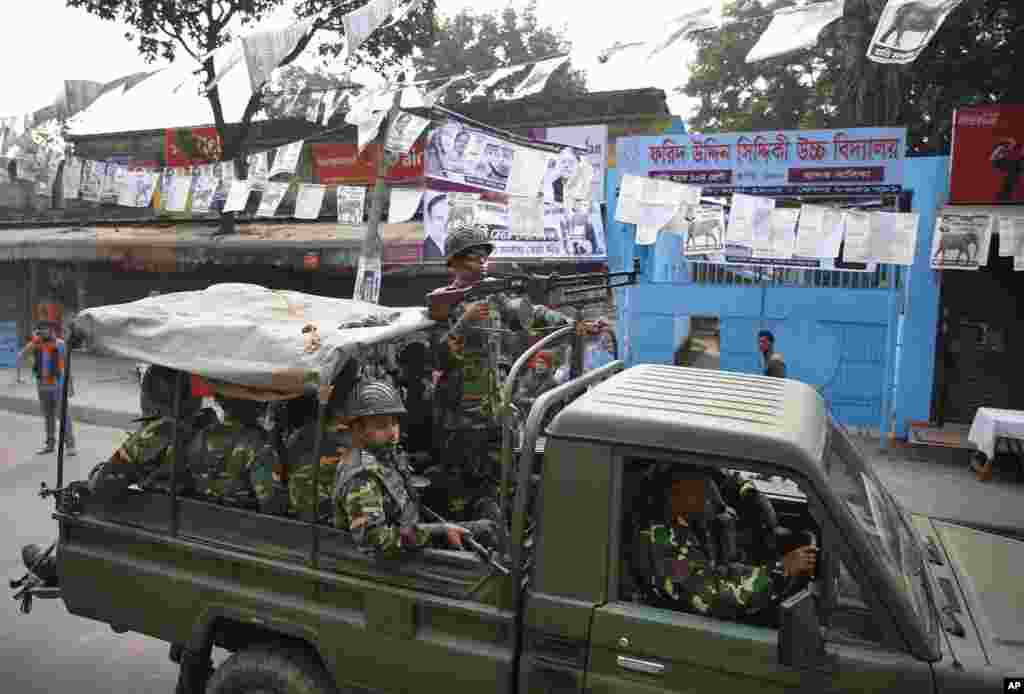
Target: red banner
{"x": 189, "y": 146}
{"x": 339, "y": 163}
{"x": 988, "y": 155}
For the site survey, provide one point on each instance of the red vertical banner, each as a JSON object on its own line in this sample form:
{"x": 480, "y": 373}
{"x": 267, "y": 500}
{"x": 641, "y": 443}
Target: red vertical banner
{"x": 987, "y": 164}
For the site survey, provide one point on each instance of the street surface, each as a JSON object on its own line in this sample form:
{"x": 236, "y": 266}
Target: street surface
{"x": 50, "y": 651}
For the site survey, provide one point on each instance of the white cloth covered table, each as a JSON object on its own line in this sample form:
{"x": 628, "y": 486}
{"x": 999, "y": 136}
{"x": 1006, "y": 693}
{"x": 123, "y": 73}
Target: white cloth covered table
{"x": 991, "y": 424}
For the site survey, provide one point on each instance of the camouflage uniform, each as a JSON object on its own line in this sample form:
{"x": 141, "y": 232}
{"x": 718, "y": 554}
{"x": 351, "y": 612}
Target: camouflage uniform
{"x": 683, "y": 576}
{"x": 234, "y": 463}
{"x": 336, "y": 446}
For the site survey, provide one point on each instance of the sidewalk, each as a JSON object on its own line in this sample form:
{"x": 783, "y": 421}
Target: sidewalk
{"x": 106, "y": 391}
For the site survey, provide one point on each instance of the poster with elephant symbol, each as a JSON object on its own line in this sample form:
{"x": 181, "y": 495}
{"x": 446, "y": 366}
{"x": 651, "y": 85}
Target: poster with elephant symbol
{"x": 906, "y": 27}
{"x": 961, "y": 240}
{"x": 706, "y": 233}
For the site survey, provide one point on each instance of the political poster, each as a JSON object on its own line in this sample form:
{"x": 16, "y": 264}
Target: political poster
{"x": 460, "y": 154}
{"x": 342, "y": 163}
{"x": 905, "y": 28}
{"x": 961, "y": 240}
{"x": 987, "y": 164}
{"x": 351, "y": 203}
{"x": 405, "y": 129}
{"x": 593, "y": 139}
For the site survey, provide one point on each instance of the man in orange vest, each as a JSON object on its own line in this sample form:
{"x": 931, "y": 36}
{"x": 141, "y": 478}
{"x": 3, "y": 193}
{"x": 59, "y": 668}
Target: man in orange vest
{"x": 49, "y": 351}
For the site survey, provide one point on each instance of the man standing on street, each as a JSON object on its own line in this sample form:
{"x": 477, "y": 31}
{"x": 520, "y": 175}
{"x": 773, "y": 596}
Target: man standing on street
{"x": 49, "y": 351}
{"x": 774, "y": 364}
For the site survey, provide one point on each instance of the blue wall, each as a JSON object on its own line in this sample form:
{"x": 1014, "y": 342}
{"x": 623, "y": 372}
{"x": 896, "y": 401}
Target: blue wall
{"x": 835, "y": 339}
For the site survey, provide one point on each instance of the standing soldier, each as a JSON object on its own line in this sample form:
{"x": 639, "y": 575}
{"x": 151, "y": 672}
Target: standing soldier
{"x": 234, "y": 462}
{"x": 467, "y": 394}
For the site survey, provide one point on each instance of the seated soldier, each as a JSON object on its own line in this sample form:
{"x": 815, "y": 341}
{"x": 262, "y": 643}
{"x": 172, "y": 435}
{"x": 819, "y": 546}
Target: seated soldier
{"x": 335, "y": 449}
{"x": 685, "y": 569}
{"x": 375, "y": 499}
{"x": 234, "y": 461}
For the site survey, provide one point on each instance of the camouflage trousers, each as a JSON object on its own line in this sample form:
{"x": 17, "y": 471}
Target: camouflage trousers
{"x": 466, "y": 482}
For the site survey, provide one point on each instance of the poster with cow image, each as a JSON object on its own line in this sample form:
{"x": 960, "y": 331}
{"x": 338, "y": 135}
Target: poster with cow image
{"x": 961, "y": 240}
{"x": 906, "y": 27}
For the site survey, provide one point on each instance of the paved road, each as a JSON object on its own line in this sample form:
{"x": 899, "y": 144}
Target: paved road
{"x": 50, "y": 651}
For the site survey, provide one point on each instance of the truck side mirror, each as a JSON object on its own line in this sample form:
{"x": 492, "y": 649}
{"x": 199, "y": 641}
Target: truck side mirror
{"x": 800, "y": 641}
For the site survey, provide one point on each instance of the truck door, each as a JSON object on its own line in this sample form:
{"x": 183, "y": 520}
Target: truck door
{"x": 637, "y": 647}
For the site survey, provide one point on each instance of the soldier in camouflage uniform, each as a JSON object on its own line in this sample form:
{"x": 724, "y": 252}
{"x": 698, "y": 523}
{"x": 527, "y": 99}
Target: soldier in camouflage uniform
{"x": 686, "y": 572}
{"x": 375, "y": 500}
{"x": 234, "y": 461}
{"x": 466, "y": 399}
{"x": 146, "y": 457}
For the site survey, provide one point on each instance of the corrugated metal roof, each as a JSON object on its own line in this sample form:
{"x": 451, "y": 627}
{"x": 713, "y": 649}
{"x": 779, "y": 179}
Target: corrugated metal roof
{"x": 719, "y": 413}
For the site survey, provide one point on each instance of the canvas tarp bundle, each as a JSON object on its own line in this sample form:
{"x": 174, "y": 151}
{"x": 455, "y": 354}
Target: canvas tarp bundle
{"x": 279, "y": 341}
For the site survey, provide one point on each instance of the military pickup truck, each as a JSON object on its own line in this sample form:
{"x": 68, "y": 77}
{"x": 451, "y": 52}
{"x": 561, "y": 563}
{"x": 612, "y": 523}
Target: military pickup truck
{"x": 899, "y": 603}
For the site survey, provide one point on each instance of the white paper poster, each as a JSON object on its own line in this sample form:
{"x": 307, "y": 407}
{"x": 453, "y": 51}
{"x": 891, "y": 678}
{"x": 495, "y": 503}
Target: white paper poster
{"x": 528, "y": 169}
{"x": 264, "y": 50}
{"x": 857, "y": 237}
{"x": 749, "y": 220}
{"x": 538, "y": 77}
{"x": 651, "y": 202}
{"x": 177, "y": 198}
{"x": 794, "y": 29}
{"x": 1011, "y": 236}
{"x": 258, "y": 171}
{"x": 112, "y": 182}
{"x": 238, "y": 196}
{"x": 367, "y": 287}
{"x": 367, "y": 130}
{"x": 286, "y": 158}
{"x": 961, "y": 240}
{"x": 905, "y": 28}
{"x": 403, "y": 204}
{"x": 361, "y": 23}
{"x": 137, "y": 189}
{"x": 893, "y": 237}
{"x": 707, "y": 17}
{"x": 404, "y": 131}
{"x": 820, "y": 232}
{"x": 72, "y": 180}
{"x": 351, "y": 202}
{"x": 204, "y": 186}
{"x": 309, "y": 201}
{"x": 780, "y": 241}
{"x": 706, "y": 232}
{"x": 273, "y": 194}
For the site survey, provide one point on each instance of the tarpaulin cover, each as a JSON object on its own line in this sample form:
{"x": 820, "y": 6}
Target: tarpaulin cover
{"x": 279, "y": 341}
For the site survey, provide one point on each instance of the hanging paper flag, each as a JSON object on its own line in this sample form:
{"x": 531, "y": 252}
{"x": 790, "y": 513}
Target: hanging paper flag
{"x": 258, "y": 173}
{"x": 93, "y": 173}
{"x": 112, "y": 182}
{"x": 404, "y": 12}
{"x": 368, "y": 129}
{"x": 233, "y": 55}
{"x": 794, "y": 29}
{"x": 496, "y": 76}
{"x": 264, "y": 50}
{"x": 367, "y": 287}
{"x": 72, "y": 180}
{"x": 368, "y": 103}
{"x": 351, "y": 203}
{"x": 273, "y": 194}
{"x": 309, "y": 201}
{"x": 360, "y": 24}
{"x": 616, "y": 47}
{"x": 412, "y": 97}
{"x": 703, "y": 19}
{"x": 286, "y": 158}
{"x": 906, "y": 27}
{"x": 313, "y": 108}
{"x": 404, "y": 131}
{"x": 204, "y": 187}
{"x": 177, "y": 197}
{"x": 538, "y": 77}
{"x": 331, "y": 103}
{"x": 238, "y": 196}
{"x": 431, "y": 98}
{"x": 403, "y": 204}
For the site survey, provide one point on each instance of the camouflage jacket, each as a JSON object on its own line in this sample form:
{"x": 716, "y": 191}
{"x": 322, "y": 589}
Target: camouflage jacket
{"x": 236, "y": 464}
{"x": 335, "y": 448}
{"x": 376, "y": 501}
{"x": 683, "y": 576}
{"x": 467, "y": 393}
{"x": 145, "y": 459}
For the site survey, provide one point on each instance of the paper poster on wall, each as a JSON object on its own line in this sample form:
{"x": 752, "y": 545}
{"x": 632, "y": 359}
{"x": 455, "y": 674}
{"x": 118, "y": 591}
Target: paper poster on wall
{"x": 780, "y": 241}
{"x": 961, "y": 240}
{"x": 238, "y": 196}
{"x": 309, "y": 201}
{"x": 706, "y": 233}
{"x": 893, "y": 237}
{"x": 203, "y": 188}
{"x": 819, "y": 232}
{"x": 592, "y": 139}
{"x": 177, "y": 198}
{"x": 273, "y": 194}
{"x": 351, "y": 202}
{"x": 460, "y": 154}
{"x": 1011, "y": 236}
{"x": 857, "y": 236}
{"x": 749, "y": 219}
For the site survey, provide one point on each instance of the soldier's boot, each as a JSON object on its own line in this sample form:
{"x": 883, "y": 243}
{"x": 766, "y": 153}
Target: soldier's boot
{"x": 44, "y": 568}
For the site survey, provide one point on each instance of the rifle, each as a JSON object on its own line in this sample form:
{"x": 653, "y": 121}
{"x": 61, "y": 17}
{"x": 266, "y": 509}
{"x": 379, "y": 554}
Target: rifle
{"x": 549, "y": 290}
{"x": 485, "y": 554}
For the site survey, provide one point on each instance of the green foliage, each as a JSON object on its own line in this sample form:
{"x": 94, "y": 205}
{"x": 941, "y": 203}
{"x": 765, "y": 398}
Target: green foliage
{"x": 476, "y": 42}
{"x": 970, "y": 61}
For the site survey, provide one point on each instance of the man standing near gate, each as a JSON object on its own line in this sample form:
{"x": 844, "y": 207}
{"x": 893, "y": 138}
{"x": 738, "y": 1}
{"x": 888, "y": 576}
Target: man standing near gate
{"x": 49, "y": 351}
{"x": 774, "y": 364}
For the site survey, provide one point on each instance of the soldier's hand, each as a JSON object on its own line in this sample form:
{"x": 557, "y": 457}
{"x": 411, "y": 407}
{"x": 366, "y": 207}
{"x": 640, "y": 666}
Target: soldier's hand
{"x": 477, "y": 311}
{"x": 801, "y": 561}
{"x": 455, "y": 533}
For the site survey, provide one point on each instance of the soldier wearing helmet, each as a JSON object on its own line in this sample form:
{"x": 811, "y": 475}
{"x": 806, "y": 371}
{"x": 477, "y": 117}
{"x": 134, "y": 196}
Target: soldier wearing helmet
{"x": 375, "y": 500}
{"x": 146, "y": 457}
{"x": 467, "y": 385}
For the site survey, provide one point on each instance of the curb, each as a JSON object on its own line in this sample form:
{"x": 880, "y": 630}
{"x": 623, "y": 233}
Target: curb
{"x": 94, "y": 416}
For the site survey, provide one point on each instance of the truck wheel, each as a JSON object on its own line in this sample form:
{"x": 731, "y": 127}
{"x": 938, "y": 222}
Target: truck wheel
{"x": 271, "y": 670}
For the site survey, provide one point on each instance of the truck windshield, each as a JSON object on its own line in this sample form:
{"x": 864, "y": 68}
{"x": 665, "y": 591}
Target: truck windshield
{"x": 881, "y": 520}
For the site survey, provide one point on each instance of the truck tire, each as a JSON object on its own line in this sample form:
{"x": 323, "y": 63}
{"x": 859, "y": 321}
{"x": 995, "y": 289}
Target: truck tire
{"x": 271, "y": 670}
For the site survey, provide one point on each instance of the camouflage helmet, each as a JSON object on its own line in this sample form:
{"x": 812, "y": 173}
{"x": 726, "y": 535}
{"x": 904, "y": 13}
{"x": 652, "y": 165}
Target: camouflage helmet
{"x": 465, "y": 237}
{"x": 157, "y": 396}
{"x": 374, "y": 398}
